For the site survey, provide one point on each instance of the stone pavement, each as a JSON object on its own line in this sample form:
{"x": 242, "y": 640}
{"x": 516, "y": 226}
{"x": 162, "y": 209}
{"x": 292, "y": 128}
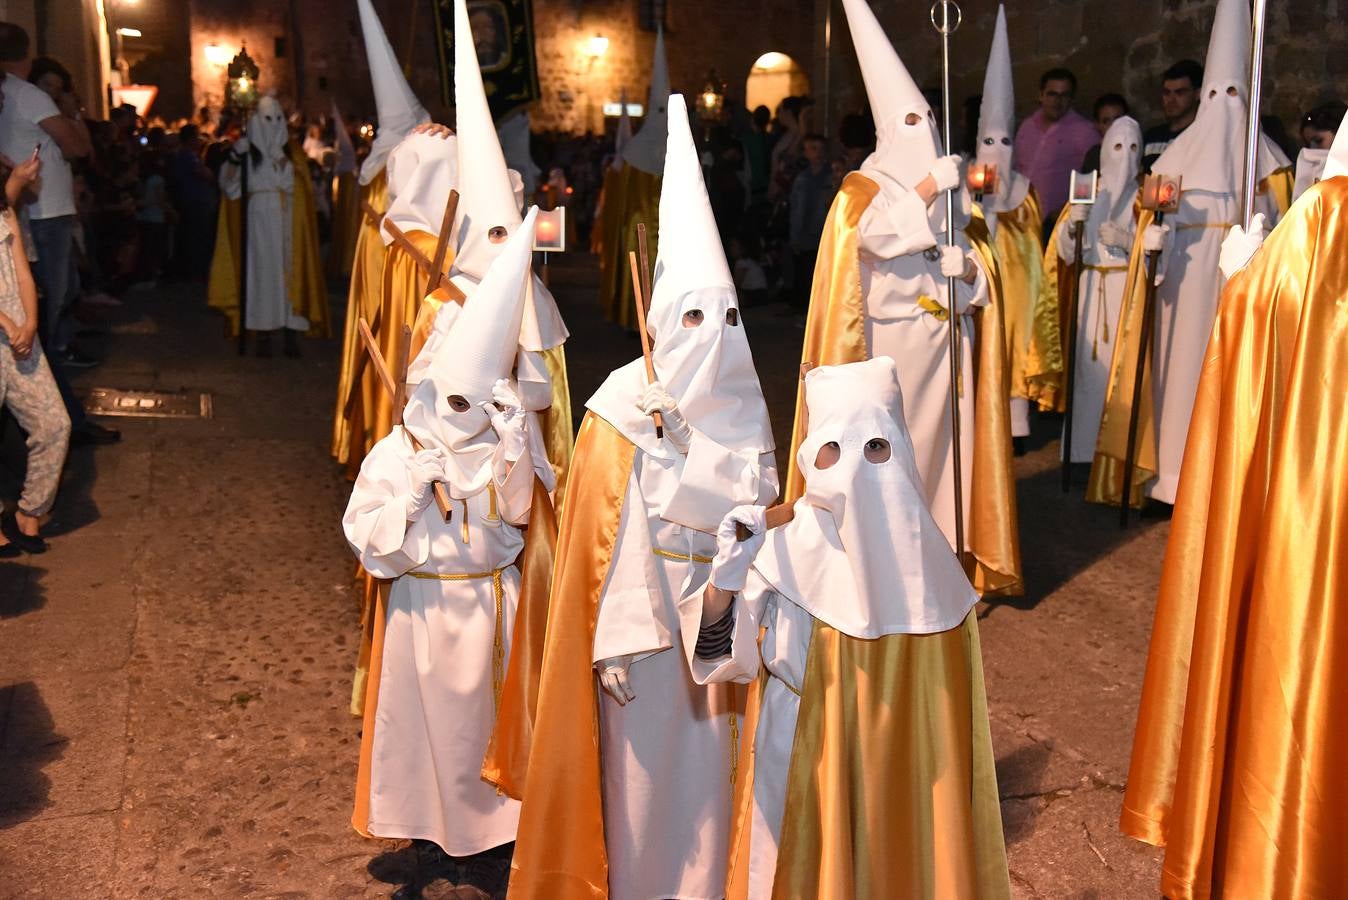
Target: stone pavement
{"x": 175, "y": 672}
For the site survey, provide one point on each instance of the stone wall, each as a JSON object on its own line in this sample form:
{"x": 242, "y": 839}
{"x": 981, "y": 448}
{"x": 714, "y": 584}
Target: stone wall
{"x": 1109, "y": 44}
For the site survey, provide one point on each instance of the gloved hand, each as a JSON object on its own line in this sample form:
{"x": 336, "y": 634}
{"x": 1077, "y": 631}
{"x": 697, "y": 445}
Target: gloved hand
{"x": 677, "y": 429}
{"x": 1113, "y": 235}
{"x": 508, "y": 420}
{"x": 1153, "y": 239}
{"x": 730, "y": 566}
{"x": 1077, "y": 213}
{"x": 946, "y": 173}
{"x": 953, "y": 262}
{"x": 613, "y": 679}
{"x": 425, "y": 468}
{"x": 1240, "y": 246}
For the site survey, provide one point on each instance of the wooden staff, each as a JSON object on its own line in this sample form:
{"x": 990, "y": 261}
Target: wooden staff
{"x": 639, "y": 293}
{"x": 1070, "y": 356}
{"x": 442, "y": 242}
{"x": 395, "y": 390}
{"x": 422, "y": 261}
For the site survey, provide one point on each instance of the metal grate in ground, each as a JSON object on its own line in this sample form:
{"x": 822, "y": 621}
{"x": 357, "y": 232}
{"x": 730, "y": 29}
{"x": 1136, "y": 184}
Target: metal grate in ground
{"x": 149, "y": 404}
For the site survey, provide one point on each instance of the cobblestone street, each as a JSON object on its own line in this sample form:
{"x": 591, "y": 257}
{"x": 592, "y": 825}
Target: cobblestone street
{"x": 175, "y": 673}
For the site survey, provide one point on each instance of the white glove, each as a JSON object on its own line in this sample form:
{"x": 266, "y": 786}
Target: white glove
{"x": 1240, "y": 246}
{"x": 1112, "y": 235}
{"x": 1077, "y": 213}
{"x": 730, "y": 567}
{"x": 613, "y": 679}
{"x": 677, "y": 429}
{"x": 508, "y": 421}
{"x": 953, "y": 262}
{"x": 946, "y": 173}
{"x": 425, "y": 468}
{"x": 1153, "y": 239}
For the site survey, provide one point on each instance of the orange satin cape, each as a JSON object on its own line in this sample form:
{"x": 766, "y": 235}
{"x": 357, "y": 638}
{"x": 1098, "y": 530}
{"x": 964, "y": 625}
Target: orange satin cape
{"x": 349, "y": 439}
{"x": 892, "y": 787}
{"x": 630, "y": 198}
{"x": 308, "y": 289}
{"x": 1238, "y": 759}
{"x": 1111, "y": 446}
{"x": 559, "y": 851}
{"x": 835, "y": 333}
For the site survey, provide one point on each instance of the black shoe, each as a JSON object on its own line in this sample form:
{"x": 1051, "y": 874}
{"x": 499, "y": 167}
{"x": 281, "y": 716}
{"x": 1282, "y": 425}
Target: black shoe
{"x": 25, "y": 542}
{"x": 263, "y": 349}
{"x": 10, "y": 551}
{"x": 1019, "y": 446}
{"x": 292, "y": 344}
{"x": 92, "y": 434}
{"x": 1156, "y": 509}
{"x": 77, "y": 360}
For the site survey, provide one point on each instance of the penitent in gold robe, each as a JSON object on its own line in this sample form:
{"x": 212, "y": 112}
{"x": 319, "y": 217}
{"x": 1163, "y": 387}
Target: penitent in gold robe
{"x": 835, "y": 334}
{"x": 631, "y": 197}
{"x": 350, "y": 440}
{"x": 347, "y": 222}
{"x": 1238, "y": 764}
{"x": 308, "y": 290}
{"x": 1030, "y": 315}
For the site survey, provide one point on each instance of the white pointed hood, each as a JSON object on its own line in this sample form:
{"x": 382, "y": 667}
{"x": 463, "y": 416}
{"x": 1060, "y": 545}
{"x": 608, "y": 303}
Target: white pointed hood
{"x": 478, "y": 350}
{"x": 1120, "y": 161}
{"x": 1337, "y": 163}
{"x": 863, "y": 553}
{"x": 1210, "y": 154}
{"x": 624, "y": 135}
{"x": 489, "y": 199}
{"x": 398, "y": 109}
{"x": 346, "y": 152}
{"x": 903, "y": 151}
{"x": 997, "y": 123}
{"x": 707, "y": 367}
{"x": 646, "y": 150}
{"x": 422, "y": 170}
{"x": 268, "y": 132}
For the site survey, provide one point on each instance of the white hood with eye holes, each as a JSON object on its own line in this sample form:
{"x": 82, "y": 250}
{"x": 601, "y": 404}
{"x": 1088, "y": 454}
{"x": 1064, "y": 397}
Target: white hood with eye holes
{"x": 268, "y": 131}
{"x": 479, "y": 350}
{"x": 863, "y": 553}
{"x": 701, "y": 352}
{"x": 1210, "y": 154}
{"x": 997, "y": 124}
{"x": 1120, "y": 161}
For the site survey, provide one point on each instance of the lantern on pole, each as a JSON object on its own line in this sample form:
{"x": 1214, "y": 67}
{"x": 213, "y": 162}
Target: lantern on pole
{"x": 241, "y": 82}
{"x": 711, "y": 104}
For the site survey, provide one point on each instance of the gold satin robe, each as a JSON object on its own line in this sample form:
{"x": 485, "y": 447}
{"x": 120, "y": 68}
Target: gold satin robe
{"x": 631, "y": 197}
{"x": 1239, "y": 759}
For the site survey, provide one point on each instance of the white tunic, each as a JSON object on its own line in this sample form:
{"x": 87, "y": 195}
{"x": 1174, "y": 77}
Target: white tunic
{"x": 1101, "y": 283}
{"x": 1186, "y": 306}
{"x": 271, "y": 198}
{"x": 784, "y": 650}
{"x": 895, "y": 232}
{"x": 437, "y": 703}
{"x": 667, "y": 754}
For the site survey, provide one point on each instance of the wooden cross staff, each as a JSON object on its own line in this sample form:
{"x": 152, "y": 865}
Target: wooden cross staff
{"x": 396, "y": 390}
{"x": 423, "y": 262}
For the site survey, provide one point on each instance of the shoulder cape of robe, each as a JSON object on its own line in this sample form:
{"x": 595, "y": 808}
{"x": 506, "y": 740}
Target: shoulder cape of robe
{"x": 349, "y": 439}
{"x": 1238, "y": 760}
{"x": 835, "y": 334}
{"x": 923, "y": 824}
{"x": 630, "y": 198}
{"x": 520, "y": 689}
{"x": 308, "y": 290}
{"x": 560, "y": 852}
{"x": 1034, "y": 343}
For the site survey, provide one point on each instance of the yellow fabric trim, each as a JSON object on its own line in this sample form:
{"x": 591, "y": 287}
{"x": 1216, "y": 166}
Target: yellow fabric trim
{"x": 1094, "y": 268}
{"x": 680, "y": 557}
{"x": 934, "y": 307}
{"x": 1106, "y": 482}
{"x": 1192, "y": 226}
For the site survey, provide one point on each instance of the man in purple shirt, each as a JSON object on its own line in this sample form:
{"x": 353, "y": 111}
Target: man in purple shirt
{"x": 1053, "y": 141}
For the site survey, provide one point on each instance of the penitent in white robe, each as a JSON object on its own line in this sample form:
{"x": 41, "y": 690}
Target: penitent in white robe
{"x": 1101, "y": 283}
{"x": 437, "y": 704}
{"x": 271, "y": 198}
{"x": 1186, "y": 306}
{"x": 667, "y": 754}
{"x": 897, "y": 269}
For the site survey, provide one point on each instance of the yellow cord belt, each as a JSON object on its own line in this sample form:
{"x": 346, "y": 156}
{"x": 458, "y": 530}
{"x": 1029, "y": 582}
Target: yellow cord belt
{"x": 681, "y": 557}
{"x": 498, "y": 642}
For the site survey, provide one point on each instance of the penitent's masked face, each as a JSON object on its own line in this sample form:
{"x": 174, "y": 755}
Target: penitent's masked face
{"x": 995, "y": 148}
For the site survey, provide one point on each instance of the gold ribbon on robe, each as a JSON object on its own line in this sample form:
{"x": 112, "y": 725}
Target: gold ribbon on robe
{"x": 631, "y": 198}
{"x": 307, "y": 288}
{"x": 349, "y": 440}
{"x": 559, "y": 850}
{"x": 1106, "y": 482}
{"x": 926, "y": 823}
{"x": 1238, "y": 758}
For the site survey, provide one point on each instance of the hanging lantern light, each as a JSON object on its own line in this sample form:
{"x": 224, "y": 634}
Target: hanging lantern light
{"x": 241, "y": 82}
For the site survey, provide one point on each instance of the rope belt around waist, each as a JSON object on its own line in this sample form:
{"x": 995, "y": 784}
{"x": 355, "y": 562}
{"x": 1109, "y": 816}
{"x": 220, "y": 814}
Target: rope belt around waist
{"x": 1123, "y": 268}
{"x": 1192, "y": 225}
{"x": 680, "y": 557}
{"x": 498, "y": 641}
